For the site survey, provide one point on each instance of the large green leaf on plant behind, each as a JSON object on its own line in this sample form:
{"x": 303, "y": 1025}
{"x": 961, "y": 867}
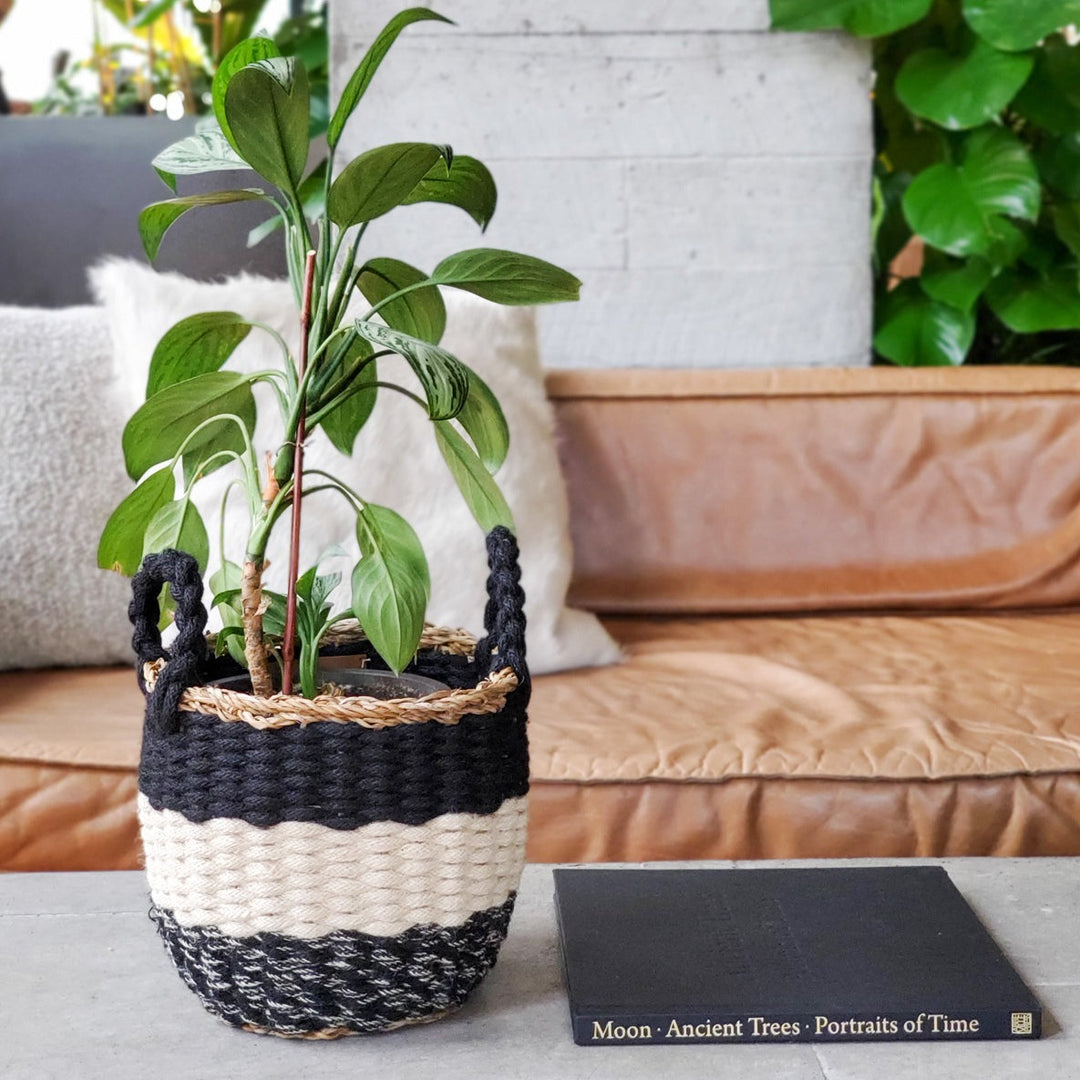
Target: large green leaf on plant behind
{"x": 1059, "y": 164}
{"x": 267, "y": 107}
{"x": 203, "y": 152}
{"x": 420, "y": 313}
{"x": 249, "y": 51}
{"x": 1007, "y": 243}
{"x": 953, "y": 281}
{"x": 346, "y": 420}
{"x": 1051, "y": 97}
{"x": 361, "y": 78}
{"x": 960, "y": 92}
{"x": 483, "y": 420}
{"x": 194, "y": 346}
{"x": 916, "y": 331}
{"x": 1066, "y": 219}
{"x": 380, "y": 179}
{"x": 390, "y": 584}
{"x": 160, "y": 426}
{"x": 485, "y": 501}
{"x": 151, "y": 13}
{"x": 445, "y": 379}
{"x": 467, "y": 184}
{"x": 507, "y": 277}
{"x": 1028, "y": 303}
{"x": 866, "y": 18}
{"x": 1015, "y": 25}
{"x": 178, "y": 525}
{"x": 121, "y": 545}
{"x": 954, "y": 207}
{"x": 156, "y": 219}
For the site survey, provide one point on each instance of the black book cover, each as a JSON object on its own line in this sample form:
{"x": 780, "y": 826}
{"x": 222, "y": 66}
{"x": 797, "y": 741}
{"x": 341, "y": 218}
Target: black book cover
{"x": 782, "y": 955}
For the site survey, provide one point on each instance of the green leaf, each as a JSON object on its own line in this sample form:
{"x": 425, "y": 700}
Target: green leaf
{"x": 866, "y": 18}
{"x": 1059, "y": 164}
{"x": 250, "y": 51}
{"x": 361, "y": 78}
{"x": 444, "y": 378}
{"x": 420, "y": 313}
{"x": 345, "y": 421}
{"x": 158, "y": 429}
{"x": 466, "y": 184}
{"x": 482, "y": 495}
{"x": 483, "y": 420}
{"x": 390, "y": 584}
{"x": 178, "y": 525}
{"x": 916, "y": 331}
{"x": 151, "y": 13}
{"x": 121, "y": 545}
{"x": 380, "y": 179}
{"x": 194, "y": 346}
{"x": 1015, "y": 25}
{"x": 1051, "y": 97}
{"x": 953, "y": 282}
{"x": 959, "y": 92}
{"x": 1029, "y": 303}
{"x": 1066, "y": 219}
{"x": 1007, "y": 243}
{"x": 954, "y": 207}
{"x": 312, "y": 195}
{"x": 507, "y": 277}
{"x": 267, "y": 106}
{"x": 207, "y": 151}
{"x": 156, "y": 219}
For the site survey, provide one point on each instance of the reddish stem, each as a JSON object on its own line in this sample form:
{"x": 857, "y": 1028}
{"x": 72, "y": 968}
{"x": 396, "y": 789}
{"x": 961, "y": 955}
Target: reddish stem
{"x": 288, "y": 646}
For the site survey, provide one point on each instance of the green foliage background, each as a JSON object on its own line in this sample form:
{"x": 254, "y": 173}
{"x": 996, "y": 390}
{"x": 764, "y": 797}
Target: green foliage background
{"x": 977, "y": 131}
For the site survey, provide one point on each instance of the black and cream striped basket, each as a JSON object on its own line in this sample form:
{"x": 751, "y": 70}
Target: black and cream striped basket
{"x": 339, "y": 865}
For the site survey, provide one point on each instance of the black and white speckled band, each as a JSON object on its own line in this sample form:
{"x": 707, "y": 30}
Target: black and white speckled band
{"x": 344, "y": 980}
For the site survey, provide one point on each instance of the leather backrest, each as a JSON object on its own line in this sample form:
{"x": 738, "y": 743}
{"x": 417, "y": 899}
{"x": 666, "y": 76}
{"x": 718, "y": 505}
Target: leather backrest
{"x": 820, "y": 489}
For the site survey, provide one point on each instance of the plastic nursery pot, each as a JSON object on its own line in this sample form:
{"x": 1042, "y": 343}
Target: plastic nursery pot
{"x": 339, "y": 866}
{"x": 356, "y": 682}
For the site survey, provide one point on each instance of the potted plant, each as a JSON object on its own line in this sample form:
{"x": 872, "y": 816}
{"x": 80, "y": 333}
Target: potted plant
{"x": 324, "y": 862}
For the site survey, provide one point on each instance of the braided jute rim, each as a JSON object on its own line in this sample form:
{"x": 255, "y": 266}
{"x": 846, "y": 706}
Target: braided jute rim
{"x": 286, "y": 710}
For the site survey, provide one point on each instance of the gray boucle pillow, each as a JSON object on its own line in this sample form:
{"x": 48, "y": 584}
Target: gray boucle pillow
{"x": 61, "y": 413}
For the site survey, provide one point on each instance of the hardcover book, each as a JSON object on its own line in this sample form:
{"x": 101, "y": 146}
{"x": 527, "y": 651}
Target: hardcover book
{"x": 782, "y": 955}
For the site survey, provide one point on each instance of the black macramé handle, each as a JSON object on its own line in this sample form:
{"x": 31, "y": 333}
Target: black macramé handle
{"x": 185, "y": 659}
{"x": 504, "y": 616}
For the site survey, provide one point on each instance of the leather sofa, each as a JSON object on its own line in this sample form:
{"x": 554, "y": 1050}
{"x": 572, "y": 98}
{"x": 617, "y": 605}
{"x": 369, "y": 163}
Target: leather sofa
{"x": 848, "y": 600}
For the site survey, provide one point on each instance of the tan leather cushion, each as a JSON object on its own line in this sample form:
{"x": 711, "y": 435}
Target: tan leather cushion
{"x": 806, "y": 737}
{"x": 69, "y": 749}
{"x": 718, "y": 738}
{"x": 768, "y": 491}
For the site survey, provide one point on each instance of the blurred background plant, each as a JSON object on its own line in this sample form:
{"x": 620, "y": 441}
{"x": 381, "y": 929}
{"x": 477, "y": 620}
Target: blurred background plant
{"x": 159, "y": 56}
{"x": 977, "y": 175}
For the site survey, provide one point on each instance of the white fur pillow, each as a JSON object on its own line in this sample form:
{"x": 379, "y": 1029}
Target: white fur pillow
{"x": 61, "y": 412}
{"x": 396, "y": 461}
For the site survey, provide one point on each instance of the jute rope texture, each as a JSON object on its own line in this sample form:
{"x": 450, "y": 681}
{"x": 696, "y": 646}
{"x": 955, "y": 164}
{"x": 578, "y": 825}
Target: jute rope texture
{"x": 286, "y": 710}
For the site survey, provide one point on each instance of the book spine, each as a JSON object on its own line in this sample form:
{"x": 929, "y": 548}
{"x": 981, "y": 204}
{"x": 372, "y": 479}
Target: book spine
{"x": 675, "y": 1030}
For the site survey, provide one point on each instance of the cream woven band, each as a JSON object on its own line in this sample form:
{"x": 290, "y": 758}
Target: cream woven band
{"x": 307, "y": 880}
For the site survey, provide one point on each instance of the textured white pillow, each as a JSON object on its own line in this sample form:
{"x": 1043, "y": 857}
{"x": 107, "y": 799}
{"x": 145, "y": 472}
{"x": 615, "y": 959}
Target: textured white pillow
{"x": 61, "y": 412}
{"x": 396, "y": 461}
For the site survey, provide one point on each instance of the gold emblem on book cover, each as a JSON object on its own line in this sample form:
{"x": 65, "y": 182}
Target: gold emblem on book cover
{"x": 1021, "y": 1023}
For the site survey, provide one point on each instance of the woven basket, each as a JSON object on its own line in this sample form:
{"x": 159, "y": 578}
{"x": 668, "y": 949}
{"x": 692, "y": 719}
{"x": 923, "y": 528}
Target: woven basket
{"x": 338, "y": 865}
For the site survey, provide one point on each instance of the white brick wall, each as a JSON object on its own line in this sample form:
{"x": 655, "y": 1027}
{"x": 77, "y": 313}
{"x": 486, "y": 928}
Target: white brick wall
{"x": 708, "y": 181}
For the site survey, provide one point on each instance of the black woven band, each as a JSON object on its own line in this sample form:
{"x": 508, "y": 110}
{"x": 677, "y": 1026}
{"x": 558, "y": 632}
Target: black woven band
{"x": 340, "y": 775}
{"x": 294, "y": 986}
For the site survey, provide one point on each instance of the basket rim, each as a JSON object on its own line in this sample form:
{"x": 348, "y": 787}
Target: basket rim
{"x": 290, "y": 710}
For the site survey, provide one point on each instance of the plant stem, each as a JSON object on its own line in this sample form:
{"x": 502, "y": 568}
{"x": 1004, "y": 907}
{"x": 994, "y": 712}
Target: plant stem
{"x": 288, "y": 646}
{"x": 251, "y": 613}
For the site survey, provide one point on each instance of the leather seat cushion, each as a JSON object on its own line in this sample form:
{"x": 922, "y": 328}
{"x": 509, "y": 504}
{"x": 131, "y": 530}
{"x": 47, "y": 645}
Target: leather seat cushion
{"x": 717, "y": 738}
